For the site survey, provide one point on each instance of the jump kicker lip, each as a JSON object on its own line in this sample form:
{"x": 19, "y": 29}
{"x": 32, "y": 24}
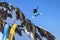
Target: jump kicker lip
{"x": 12, "y": 31}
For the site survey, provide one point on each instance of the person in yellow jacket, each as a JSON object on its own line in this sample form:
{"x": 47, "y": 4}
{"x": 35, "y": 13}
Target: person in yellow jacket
{"x": 12, "y": 31}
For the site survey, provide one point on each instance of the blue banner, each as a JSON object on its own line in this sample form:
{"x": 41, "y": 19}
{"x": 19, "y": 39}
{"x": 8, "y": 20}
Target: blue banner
{"x": 5, "y": 33}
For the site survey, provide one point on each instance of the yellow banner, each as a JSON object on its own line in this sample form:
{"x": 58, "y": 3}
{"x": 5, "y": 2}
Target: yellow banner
{"x": 12, "y": 31}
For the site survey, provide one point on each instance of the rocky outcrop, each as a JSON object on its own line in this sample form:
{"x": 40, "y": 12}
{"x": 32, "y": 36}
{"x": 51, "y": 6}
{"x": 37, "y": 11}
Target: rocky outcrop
{"x": 33, "y": 31}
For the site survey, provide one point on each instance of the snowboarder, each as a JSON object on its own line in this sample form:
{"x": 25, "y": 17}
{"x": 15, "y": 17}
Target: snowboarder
{"x": 35, "y": 11}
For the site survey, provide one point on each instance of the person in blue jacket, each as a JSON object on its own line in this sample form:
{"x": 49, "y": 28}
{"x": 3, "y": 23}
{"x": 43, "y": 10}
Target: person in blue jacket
{"x": 36, "y": 13}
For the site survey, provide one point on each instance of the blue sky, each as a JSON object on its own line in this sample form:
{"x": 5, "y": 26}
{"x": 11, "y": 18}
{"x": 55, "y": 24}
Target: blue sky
{"x": 49, "y": 19}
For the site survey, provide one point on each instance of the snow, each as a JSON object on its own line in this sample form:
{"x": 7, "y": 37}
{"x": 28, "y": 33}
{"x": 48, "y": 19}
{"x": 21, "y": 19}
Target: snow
{"x": 1, "y": 35}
